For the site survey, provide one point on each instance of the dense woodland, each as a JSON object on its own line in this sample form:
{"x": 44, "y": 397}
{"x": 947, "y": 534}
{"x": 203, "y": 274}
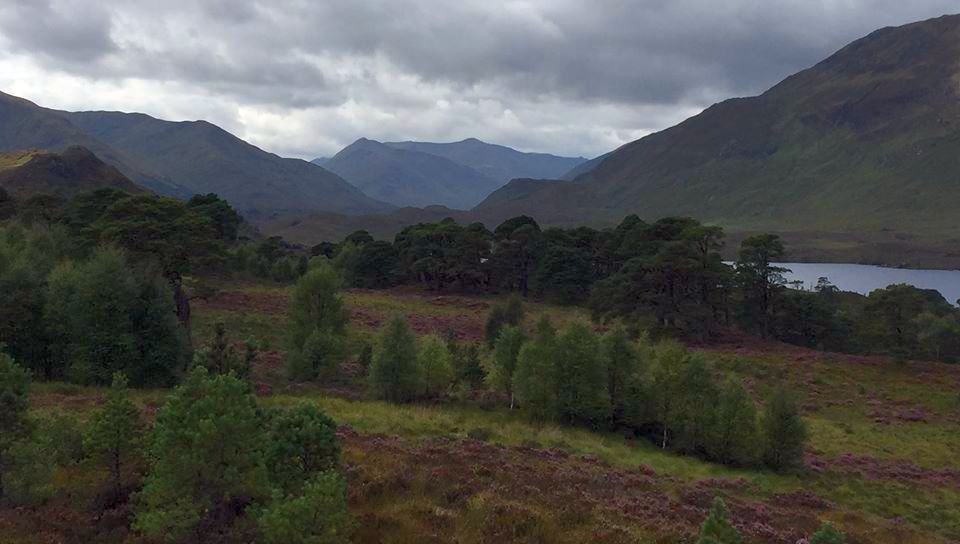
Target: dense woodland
{"x": 96, "y": 290}
{"x": 665, "y": 277}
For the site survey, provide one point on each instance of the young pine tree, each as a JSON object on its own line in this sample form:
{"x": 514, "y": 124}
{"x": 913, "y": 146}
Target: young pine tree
{"x": 784, "y": 432}
{"x": 716, "y": 529}
{"x": 302, "y": 442}
{"x": 318, "y": 515}
{"x": 394, "y": 373}
{"x": 506, "y": 350}
{"x": 581, "y": 376}
{"x": 206, "y": 458}
{"x": 115, "y": 432}
{"x": 827, "y": 534}
{"x": 436, "y": 367}
{"x": 535, "y": 380}
{"x": 14, "y": 387}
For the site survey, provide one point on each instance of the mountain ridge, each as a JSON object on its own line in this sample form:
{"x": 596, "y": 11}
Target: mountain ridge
{"x": 409, "y": 178}
{"x": 184, "y": 158}
{"x": 866, "y": 139}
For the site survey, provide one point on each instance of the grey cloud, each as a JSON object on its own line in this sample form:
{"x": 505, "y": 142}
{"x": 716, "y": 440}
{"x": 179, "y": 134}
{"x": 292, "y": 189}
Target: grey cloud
{"x": 572, "y": 76}
{"x": 70, "y": 31}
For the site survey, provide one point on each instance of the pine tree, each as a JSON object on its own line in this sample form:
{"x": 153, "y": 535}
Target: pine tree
{"x": 395, "y": 374}
{"x": 506, "y": 350}
{"x": 206, "y": 457}
{"x": 784, "y": 432}
{"x": 302, "y": 442}
{"x": 115, "y": 431}
{"x": 318, "y": 515}
{"x": 716, "y": 529}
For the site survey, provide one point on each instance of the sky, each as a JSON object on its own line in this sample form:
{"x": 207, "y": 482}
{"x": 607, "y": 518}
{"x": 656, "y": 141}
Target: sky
{"x": 305, "y": 78}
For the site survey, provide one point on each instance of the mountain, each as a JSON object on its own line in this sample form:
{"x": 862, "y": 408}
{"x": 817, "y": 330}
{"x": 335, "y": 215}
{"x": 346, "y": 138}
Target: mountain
{"x": 25, "y": 125}
{"x": 497, "y": 162}
{"x": 75, "y": 170}
{"x": 320, "y": 161}
{"x": 584, "y": 167}
{"x": 409, "y": 178}
{"x": 205, "y": 158}
{"x": 183, "y": 158}
{"x": 867, "y": 140}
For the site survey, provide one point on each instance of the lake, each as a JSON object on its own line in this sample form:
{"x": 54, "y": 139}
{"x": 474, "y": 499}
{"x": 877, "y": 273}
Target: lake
{"x": 862, "y": 278}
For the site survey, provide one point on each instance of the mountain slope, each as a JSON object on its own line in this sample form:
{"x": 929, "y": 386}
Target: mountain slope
{"x": 25, "y": 125}
{"x": 206, "y": 158}
{"x": 867, "y": 140}
{"x": 497, "y": 162}
{"x": 409, "y": 178}
{"x": 75, "y": 170}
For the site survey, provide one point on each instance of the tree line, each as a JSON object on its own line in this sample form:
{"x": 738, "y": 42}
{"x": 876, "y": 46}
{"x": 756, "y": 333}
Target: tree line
{"x": 96, "y": 285}
{"x": 667, "y": 277}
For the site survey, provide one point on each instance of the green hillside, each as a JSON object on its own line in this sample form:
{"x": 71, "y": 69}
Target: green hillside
{"x": 867, "y": 140}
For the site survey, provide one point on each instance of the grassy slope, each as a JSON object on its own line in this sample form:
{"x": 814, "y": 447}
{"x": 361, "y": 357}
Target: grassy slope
{"x": 883, "y": 445}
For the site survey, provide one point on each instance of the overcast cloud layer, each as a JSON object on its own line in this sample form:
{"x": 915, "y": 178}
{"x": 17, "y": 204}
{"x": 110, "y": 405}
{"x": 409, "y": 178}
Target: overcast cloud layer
{"x": 305, "y": 78}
